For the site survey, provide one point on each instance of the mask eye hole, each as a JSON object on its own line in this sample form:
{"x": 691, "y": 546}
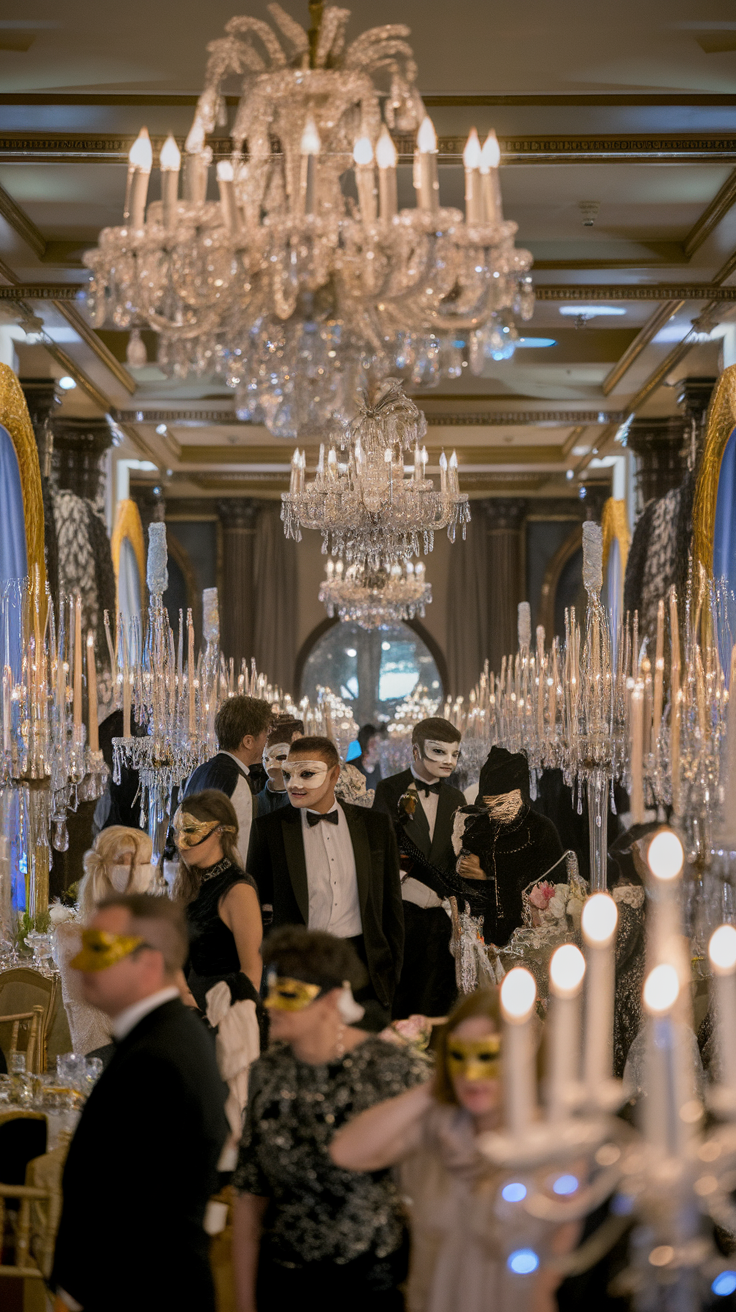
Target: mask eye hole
{"x": 456, "y": 1055}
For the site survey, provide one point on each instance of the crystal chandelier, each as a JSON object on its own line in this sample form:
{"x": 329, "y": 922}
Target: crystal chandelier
{"x": 374, "y": 599}
{"x": 305, "y": 270}
{"x": 368, "y": 512}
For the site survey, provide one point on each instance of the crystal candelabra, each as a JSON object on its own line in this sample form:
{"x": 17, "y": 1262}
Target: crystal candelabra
{"x": 375, "y": 599}
{"x": 368, "y": 512}
{"x": 305, "y": 270}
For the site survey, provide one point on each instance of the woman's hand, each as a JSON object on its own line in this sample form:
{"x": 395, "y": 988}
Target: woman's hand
{"x": 470, "y": 868}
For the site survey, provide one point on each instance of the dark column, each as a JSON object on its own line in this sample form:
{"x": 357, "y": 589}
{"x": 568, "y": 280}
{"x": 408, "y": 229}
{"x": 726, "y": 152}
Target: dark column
{"x": 238, "y": 519}
{"x": 693, "y": 397}
{"x": 77, "y": 460}
{"x": 658, "y": 445}
{"x": 42, "y": 398}
{"x": 504, "y": 527}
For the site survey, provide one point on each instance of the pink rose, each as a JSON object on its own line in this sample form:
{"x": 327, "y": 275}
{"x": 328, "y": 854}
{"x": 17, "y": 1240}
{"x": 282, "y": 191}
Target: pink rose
{"x": 541, "y": 896}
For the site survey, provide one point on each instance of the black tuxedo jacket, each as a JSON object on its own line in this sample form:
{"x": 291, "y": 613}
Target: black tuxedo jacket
{"x": 438, "y": 850}
{"x": 277, "y": 863}
{"x": 140, "y": 1170}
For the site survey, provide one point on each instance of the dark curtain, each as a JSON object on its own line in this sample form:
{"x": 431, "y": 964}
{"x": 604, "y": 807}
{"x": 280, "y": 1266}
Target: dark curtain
{"x": 467, "y": 607}
{"x": 275, "y": 588}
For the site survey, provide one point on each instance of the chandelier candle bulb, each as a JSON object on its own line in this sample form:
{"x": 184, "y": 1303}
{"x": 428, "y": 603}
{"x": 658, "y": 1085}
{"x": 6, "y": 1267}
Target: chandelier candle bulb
{"x": 386, "y": 159}
{"x": 190, "y": 674}
{"x": 664, "y": 1127}
{"x": 665, "y": 858}
{"x": 443, "y": 473}
{"x": 566, "y": 972}
{"x": 454, "y": 483}
{"x": 518, "y": 998}
{"x": 310, "y": 148}
{"x": 226, "y": 185}
{"x": 139, "y": 173}
{"x": 722, "y": 954}
{"x": 426, "y": 182}
{"x": 77, "y": 661}
{"x": 637, "y": 748}
{"x": 599, "y": 921}
{"x": 170, "y": 162}
{"x": 675, "y": 707}
{"x": 471, "y": 163}
{"x": 658, "y": 675}
{"x": 93, "y": 740}
{"x": 365, "y": 179}
{"x": 490, "y": 158}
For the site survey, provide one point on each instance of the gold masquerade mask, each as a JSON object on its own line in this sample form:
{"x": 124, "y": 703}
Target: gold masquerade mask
{"x": 474, "y": 1059}
{"x": 286, "y": 994}
{"x": 190, "y": 832}
{"x": 101, "y": 949}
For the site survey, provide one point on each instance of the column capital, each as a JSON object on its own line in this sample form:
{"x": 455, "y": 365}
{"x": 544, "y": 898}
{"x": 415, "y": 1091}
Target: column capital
{"x": 79, "y": 446}
{"x": 43, "y": 397}
{"x": 693, "y": 395}
{"x": 659, "y": 446}
{"x": 238, "y": 514}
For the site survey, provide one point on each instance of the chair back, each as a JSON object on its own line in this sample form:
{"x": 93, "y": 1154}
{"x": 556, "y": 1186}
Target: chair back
{"x": 30, "y": 1022}
{"x": 23, "y": 991}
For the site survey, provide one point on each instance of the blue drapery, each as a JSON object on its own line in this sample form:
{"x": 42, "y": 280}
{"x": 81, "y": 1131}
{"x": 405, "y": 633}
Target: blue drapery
{"x": 724, "y": 548}
{"x": 13, "y": 555}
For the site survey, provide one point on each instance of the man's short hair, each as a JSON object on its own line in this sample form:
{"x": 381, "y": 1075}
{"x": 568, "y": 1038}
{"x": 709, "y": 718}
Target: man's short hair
{"x": 368, "y": 731}
{"x": 323, "y": 748}
{"x": 159, "y": 921}
{"x": 238, "y": 717}
{"x": 283, "y": 731}
{"x": 436, "y": 730}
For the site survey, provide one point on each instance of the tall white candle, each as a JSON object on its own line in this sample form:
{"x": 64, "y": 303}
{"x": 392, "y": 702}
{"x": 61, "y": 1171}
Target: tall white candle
{"x": 126, "y": 682}
{"x": 675, "y": 705}
{"x": 663, "y": 1125}
{"x": 191, "y": 674}
{"x": 518, "y": 996}
{"x": 566, "y": 971}
{"x": 77, "y": 661}
{"x": 228, "y": 203}
{"x": 310, "y": 148}
{"x": 426, "y": 182}
{"x": 170, "y": 161}
{"x": 637, "y": 748}
{"x": 658, "y": 675}
{"x": 386, "y": 159}
{"x": 599, "y": 921}
{"x": 365, "y": 179}
{"x": 722, "y": 953}
{"x": 490, "y": 159}
{"x": 665, "y": 858}
{"x": 471, "y": 164}
{"x": 93, "y": 741}
{"x": 140, "y": 164}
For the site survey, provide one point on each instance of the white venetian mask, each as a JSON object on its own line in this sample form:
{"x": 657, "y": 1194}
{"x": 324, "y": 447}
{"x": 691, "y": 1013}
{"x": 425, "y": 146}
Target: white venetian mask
{"x": 144, "y": 876}
{"x": 304, "y": 774}
{"x": 440, "y": 759}
{"x": 274, "y": 757}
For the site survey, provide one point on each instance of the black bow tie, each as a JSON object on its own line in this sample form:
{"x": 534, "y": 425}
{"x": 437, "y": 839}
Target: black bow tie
{"x": 427, "y": 788}
{"x": 314, "y": 817}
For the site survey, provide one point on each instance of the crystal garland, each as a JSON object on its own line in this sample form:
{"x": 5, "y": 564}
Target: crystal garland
{"x": 367, "y": 511}
{"x": 287, "y": 288}
{"x": 374, "y": 599}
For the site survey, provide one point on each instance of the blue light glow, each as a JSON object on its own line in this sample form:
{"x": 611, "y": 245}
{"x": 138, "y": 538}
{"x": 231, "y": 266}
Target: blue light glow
{"x": 532, "y": 342}
{"x": 565, "y": 1184}
{"x": 514, "y": 1192}
{"x": 523, "y": 1261}
{"x": 724, "y": 1284}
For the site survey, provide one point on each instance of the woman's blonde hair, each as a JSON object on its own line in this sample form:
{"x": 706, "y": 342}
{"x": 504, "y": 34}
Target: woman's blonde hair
{"x": 110, "y": 843}
{"x": 210, "y": 804}
{"x": 485, "y": 1003}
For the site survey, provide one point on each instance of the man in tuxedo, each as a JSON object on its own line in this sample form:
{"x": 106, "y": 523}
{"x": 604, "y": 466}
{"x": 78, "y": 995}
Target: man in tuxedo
{"x": 332, "y": 866}
{"x": 421, "y": 805}
{"x": 143, "y": 1161}
{"x": 242, "y": 725}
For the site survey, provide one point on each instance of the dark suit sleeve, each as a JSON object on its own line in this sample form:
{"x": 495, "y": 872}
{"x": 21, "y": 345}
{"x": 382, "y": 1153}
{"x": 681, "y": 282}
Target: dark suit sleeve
{"x": 381, "y": 800}
{"x": 393, "y": 907}
{"x": 258, "y": 863}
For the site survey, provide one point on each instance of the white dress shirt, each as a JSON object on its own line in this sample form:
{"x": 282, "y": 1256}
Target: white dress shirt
{"x": 428, "y": 802}
{"x": 127, "y": 1020}
{"x": 331, "y": 878}
{"x": 242, "y": 800}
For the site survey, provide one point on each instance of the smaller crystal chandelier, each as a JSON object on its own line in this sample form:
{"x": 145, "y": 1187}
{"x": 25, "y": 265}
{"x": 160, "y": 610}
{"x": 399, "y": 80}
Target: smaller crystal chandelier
{"x": 368, "y": 512}
{"x": 375, "y": 599}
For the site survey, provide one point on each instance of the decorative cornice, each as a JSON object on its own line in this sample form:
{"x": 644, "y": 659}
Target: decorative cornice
{"x": 278, "y": 456}
{"x": 438, "y": 419}
{"x": 238, "y": 514}
{"x": 674, "y": 291}
{"x": 634, "y": 99}
{"x": 42, "y": 291}
{"x": 667, "y": 148}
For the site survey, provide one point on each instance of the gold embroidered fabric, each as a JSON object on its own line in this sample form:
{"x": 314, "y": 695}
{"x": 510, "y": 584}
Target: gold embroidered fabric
{"x": 15, "y": 418}
{"x": 128, "y": 525}
{"x": 615, "y": 528}
{"x": 720, "y": 424}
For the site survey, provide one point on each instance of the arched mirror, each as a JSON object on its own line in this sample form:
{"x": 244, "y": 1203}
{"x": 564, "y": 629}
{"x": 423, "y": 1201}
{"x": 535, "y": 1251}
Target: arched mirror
{"x": 373, "y": 670}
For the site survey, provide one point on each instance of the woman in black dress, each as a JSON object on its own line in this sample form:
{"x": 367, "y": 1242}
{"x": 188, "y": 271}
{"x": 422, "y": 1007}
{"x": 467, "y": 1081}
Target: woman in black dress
{"x": 222, "y": 907}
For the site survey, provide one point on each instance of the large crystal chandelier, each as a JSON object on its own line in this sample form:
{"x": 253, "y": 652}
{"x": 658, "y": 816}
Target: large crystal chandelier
{"x": 375, "y": 599}
{"x": 368, "y": 512}
{"x": 305, "y": 270}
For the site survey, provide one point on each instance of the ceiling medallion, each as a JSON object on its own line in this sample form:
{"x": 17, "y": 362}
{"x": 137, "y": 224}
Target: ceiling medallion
{"x": 375, "y": 599}
{"x": 305, "y": 270}
{"x": 369, "y": 513}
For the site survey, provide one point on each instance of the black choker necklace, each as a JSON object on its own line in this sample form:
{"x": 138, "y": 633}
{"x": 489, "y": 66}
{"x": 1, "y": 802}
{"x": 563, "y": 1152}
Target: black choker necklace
{"x": 209, "y": 872}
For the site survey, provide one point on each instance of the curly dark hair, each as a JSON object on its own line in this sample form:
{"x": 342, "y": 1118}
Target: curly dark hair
{"x": 313, "y": 956}
{"x": 240, "y": 716}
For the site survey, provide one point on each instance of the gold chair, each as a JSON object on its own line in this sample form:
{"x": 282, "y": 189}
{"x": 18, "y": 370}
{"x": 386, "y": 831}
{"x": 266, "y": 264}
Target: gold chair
{"x": 34, "y": 1017}
{"x": 23, "y": 990}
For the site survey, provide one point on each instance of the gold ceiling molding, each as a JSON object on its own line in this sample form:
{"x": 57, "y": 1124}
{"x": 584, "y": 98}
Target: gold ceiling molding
{"x": 719, "y": 426}
{"x": 654, "y": 323}
{"x": 435, "y": 419}
{"x": 711, "y": 216}
{"x": 572, "y": 437}
{"x": 41, "y": 291}
{"x": 20, "y": 223}
{"x": 634, "y": 99}
{"x": 278, "y": 455}
{"x": 91, "y": 147}
{"x": 665, "y": 291}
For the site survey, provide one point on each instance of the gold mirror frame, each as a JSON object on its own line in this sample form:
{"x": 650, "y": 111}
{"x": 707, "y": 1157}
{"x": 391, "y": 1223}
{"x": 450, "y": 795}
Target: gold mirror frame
{"x": 720, "y": 424}
{"x": 128, "y": 525}
{"x": 15, "y": 418}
